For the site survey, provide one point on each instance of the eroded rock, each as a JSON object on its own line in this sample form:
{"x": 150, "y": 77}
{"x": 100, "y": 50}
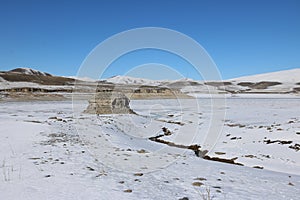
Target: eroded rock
{"x": 109, "y": 102}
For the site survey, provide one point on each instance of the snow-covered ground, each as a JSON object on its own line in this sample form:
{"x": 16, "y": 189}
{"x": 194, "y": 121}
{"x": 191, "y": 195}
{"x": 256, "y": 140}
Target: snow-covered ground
{"x": 50, "y": 150}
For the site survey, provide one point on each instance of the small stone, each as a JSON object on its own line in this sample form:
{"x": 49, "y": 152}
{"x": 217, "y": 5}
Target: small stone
{"x": 198, "y": 184}
{"x": 141, "y": 151}
{"x": 90, "y": 168}
{"x": 200, "y": 179}
{"x": 291, "y": 184}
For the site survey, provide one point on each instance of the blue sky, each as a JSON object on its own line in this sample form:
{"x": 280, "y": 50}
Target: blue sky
{"x": 242, "y": 37}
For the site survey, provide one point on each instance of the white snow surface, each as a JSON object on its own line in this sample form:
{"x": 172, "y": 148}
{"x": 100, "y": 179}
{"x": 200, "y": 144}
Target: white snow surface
{"x": 133, "y": 81}
{"x": 51, "y": 150}
{"x": 286, "y": 76}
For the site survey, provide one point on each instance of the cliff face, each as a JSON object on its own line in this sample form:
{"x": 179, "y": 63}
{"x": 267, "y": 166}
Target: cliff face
{"x": 155, "y": 92}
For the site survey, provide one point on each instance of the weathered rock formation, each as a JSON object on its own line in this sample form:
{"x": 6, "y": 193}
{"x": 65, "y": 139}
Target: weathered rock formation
{"x": 109, "y": 102}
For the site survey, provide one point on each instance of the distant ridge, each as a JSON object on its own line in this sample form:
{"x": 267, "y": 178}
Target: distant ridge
{"x": 131, "y": 80}
{"x": 30, "y": 71}
{"x": 282, "y": 82}
{"x": 292, "y": 75}
{"x": 33, "y": 76}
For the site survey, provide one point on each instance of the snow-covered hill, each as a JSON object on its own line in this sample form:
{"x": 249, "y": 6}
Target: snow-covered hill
{"x": 132, "y": 81}
{"x": 30, "y": 71}
{"x": 282, "y": 82}
{"x": 286, "y": 76}
{"x": 28, "y": 76}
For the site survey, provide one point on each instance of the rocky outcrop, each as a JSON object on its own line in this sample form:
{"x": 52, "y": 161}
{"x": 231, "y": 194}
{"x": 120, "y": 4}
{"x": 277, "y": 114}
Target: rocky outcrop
{"x": 109, "y": 102}
{"x": 155, "y": 92}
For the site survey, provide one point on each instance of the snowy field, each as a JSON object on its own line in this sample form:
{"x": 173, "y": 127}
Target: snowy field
{"x": 51, "y": 150}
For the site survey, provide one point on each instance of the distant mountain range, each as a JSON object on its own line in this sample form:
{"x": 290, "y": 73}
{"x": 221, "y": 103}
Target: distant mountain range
{"x": 33, "y": 76}
{"x": 29, "y": 71}
{"x": 276, "y": 82}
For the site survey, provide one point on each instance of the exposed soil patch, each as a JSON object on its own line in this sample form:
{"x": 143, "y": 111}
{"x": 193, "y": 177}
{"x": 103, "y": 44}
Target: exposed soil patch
{"x": 264, "y": 84}
{"x": 296, "y": 147}
{"x": 194, "y": 147}
{"x": 172, "y": 122}
{"x": 200, "y": 179}
{"x": 220, "y": 153}
{"x": 179, "y": 84}
{"x": 55, "y": 138}
{"x": 236, "y": 125}
{"x": 142, "y": 151}
{"x": 250, "y": 156}
{"x": 217, "y": 84}
{"x": 33, "y": 121}
{"x": 166, "y": 131}
{"x": 184, "y": 198}
{"x": 258, "y": 167}
{"x": 245, "y": 84}
{"x": 23, "y": 96}
{"x": 224, "y": 160}
{"x": 277, "y": 141}
{"x": 296, "y": 89}
{"x": 197, "y": 150}
{"x": 236, "y": 138}
{"x": 197, "y": 184}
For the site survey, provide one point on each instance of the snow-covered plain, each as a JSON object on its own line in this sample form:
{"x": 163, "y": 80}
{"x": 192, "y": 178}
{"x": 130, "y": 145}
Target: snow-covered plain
{"x": 50, "y": 150}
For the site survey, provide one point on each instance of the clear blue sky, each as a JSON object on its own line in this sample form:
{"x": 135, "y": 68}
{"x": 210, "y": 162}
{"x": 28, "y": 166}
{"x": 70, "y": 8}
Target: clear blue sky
{"x": 243, "y": 37}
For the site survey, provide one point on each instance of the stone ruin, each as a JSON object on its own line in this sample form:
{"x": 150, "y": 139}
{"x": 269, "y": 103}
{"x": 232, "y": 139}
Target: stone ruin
{"x": 109, "y": 102}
